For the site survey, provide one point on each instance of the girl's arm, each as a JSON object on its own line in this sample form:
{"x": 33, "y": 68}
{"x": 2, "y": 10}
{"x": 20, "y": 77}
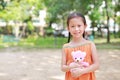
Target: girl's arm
{"x": 95, "y": 64}
{"x": 64, "y": 67}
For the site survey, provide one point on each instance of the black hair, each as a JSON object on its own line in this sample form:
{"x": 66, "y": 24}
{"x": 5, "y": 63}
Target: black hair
{"x": 74, "y": 15}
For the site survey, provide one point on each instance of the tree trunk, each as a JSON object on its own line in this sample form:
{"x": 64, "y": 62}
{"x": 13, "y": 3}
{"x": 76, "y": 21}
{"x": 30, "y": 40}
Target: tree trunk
{"x": 114, "y": 26}
{"x": 93, "y": 26}
{"x": 23, "y": 31}
{"x": 108, "y": 32}
{"x": 16, "y": 29}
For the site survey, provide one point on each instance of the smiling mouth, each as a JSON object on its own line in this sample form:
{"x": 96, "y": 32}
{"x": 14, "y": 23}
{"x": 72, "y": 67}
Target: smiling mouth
{"x": 77, "y": 33}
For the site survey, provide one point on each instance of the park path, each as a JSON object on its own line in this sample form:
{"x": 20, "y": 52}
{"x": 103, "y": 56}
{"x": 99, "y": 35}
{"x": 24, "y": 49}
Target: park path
{"x": 44, "y": 64}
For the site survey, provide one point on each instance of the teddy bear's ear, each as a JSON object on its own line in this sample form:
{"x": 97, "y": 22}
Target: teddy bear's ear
{"x": 73, "y": 53}
{"x": 84, "y": 54}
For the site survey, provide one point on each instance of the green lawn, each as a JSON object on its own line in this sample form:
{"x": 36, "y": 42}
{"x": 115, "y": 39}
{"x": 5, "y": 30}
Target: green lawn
{"x": 47, "y": 42}
{"x": 51, "y": 42}
{"x": 101, "y": 43}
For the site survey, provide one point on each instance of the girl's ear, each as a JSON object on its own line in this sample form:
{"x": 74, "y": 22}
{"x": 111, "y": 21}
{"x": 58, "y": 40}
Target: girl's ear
{"x": 85, "y": 26}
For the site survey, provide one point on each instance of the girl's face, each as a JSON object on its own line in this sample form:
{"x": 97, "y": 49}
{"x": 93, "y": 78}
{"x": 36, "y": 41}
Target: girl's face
{"x": 76, "y": 27}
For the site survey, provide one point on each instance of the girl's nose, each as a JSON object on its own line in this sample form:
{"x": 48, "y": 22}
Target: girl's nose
{"x": 76, "y": 28}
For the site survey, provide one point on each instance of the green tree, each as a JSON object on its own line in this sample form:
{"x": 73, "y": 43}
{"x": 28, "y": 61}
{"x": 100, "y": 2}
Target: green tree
{"x": 3, "y": 4}
{"x": 95, "y": 17}
{"x": 95, "y": 14}
{"x": 116, "y": 9}
{"x": 59, "y": 9}
{"x": 19, "y": 10}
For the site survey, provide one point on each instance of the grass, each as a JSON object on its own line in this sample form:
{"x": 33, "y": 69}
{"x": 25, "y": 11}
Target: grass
{"x": 47, "y": 42}
{"x": 101, "y": 43}
{"x": 51, "y": 42}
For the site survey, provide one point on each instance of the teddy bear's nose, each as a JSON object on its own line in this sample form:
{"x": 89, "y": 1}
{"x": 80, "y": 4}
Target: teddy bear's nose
{"x": 77, "y": 60}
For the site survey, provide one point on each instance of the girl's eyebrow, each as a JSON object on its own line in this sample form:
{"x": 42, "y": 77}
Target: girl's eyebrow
{"x": 79, "y": 25}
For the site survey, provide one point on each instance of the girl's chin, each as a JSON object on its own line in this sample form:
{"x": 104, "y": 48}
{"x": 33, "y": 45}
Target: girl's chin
{"x": 77, "y": 36}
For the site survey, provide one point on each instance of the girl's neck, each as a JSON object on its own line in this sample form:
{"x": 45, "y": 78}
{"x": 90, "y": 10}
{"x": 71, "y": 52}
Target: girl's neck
{"x": 77, "y": 41}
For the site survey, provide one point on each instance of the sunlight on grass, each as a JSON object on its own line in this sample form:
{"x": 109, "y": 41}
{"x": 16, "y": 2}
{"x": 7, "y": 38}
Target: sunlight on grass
{"x": 52, "y": 42}
{"x": 103, "y": 40}
{"x": 101, "y": 43}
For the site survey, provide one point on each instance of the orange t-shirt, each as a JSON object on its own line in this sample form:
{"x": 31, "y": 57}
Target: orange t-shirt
{"x": 88, "y": 58}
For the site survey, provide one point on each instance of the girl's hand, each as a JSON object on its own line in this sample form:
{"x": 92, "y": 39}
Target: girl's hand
{"x": 76, "y": 72}
{"x": 74, "y": 65}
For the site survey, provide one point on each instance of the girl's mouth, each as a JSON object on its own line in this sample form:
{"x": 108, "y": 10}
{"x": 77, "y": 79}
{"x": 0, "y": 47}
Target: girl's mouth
{"x": 77, "y": 33}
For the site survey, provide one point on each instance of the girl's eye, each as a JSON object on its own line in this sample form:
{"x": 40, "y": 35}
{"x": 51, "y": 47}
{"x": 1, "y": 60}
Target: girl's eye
{"x": 72, "y": 26}
{"x": 79, "y": 25}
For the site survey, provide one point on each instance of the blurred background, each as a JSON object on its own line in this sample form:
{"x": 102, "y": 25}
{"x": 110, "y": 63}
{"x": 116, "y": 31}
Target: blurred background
{"x": 42, "y": 23}
{"x": 32, "y": 33}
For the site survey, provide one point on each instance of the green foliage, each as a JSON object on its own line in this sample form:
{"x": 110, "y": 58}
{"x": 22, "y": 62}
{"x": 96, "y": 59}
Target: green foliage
{"x": 118, "y": 20}
{"x": 2, "y": 4}
{"x": 94, "y": 12}
{"x": 95, "y": 15}
{"x": 3, "y": 14}
{"x": 48, "y": 31}
{"x": 30, "y": 26}
{"x": 19, "y": 10}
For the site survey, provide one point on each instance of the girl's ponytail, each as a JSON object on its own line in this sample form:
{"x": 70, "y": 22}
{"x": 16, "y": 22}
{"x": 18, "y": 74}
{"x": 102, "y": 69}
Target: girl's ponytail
{"x": 84, "y": 34}
{"x": 69, "y": 36}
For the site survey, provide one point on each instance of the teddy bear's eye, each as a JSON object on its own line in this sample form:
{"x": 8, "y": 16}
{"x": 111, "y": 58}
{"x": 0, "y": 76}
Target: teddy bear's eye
{"x": 75, "y": 58}
{"x": 80, "y": 58}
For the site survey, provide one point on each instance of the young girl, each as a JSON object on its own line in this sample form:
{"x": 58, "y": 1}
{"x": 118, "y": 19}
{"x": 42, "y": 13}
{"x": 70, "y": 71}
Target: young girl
{"x": 76, "y": 25}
